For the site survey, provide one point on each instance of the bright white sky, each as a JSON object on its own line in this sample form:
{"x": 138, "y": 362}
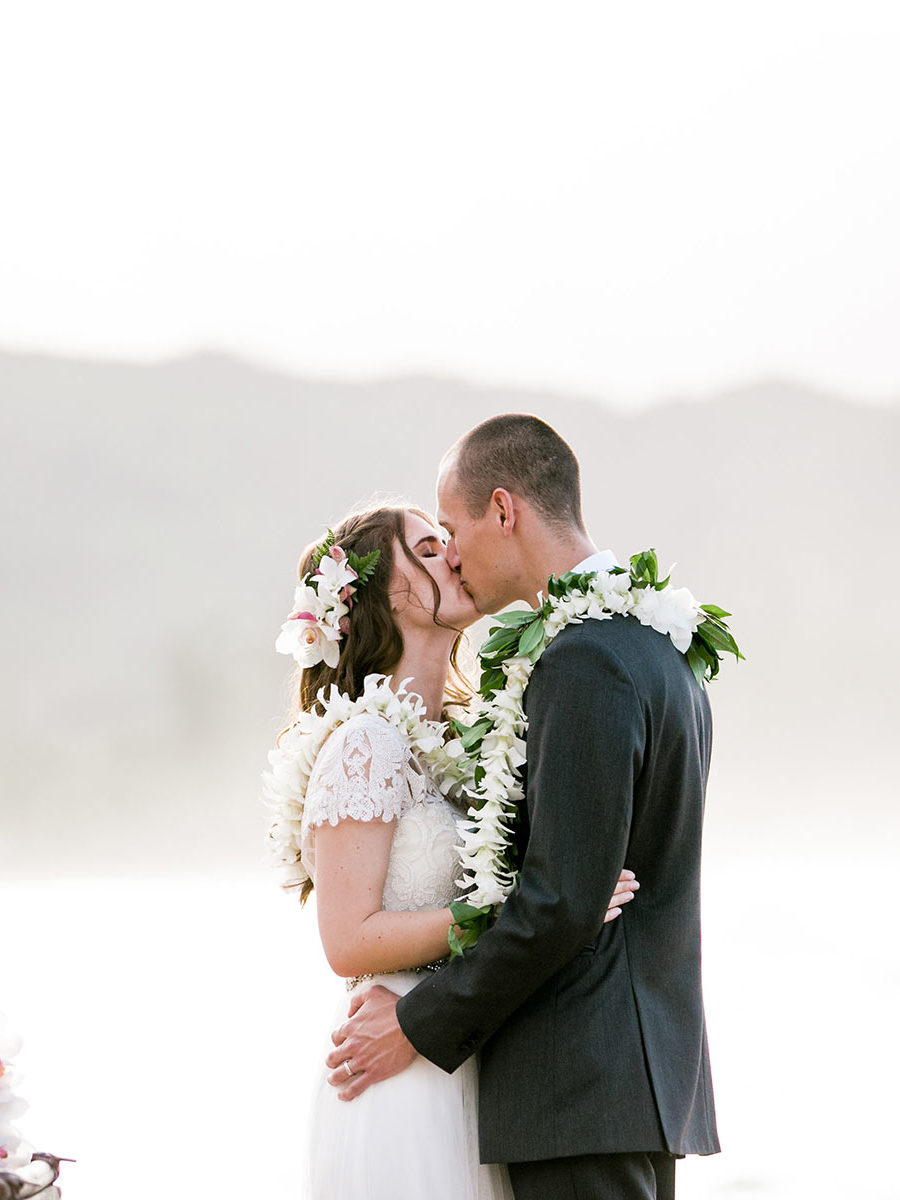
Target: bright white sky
{"x": 629, "y": 200}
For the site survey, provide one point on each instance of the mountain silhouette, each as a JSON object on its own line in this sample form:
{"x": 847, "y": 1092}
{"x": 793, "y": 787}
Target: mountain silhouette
{"x": 154, "y": 514}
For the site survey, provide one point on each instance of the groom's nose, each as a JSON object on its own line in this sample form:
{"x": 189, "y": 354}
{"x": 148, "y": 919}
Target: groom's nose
{"x": 452, "y": 555}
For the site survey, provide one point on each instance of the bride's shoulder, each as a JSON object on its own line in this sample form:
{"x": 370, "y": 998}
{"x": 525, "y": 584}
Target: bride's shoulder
{"x": 361, "y": 771}
{"x": 364, "y": 735}
{"x": 369, "y": 725}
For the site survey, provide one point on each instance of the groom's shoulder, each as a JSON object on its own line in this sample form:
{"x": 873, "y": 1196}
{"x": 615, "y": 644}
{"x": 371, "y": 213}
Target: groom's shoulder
{"x": 587, "y": 645}
{"x": 617, "y": 643}
{"x": 612, "y": 636}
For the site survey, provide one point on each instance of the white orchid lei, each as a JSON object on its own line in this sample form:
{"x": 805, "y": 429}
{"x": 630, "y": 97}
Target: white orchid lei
{"x": 291, "y": 761}
{"x": 491, "y": 751}
{"x": 322, "y": 602}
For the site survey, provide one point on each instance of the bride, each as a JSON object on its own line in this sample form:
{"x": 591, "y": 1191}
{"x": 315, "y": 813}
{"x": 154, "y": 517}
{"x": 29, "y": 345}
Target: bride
{"x": 357, "y": 787}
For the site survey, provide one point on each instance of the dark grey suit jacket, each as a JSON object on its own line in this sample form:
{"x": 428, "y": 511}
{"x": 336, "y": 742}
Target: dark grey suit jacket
{"x": 592, "y": 1036}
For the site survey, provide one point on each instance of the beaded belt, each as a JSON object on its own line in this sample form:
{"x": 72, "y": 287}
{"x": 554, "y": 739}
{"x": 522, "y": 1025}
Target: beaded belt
{"x": 432, "y": 966}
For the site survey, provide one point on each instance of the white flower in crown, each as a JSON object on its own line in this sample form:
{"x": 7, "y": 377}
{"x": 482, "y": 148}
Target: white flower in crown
{"x": 310, "y": 640}
{"x": 322, "y": 602}
{"x": 335, "y": 571}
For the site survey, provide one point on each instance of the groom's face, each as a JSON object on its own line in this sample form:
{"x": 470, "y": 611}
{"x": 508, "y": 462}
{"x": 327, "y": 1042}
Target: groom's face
{"x": 476, "y": 548}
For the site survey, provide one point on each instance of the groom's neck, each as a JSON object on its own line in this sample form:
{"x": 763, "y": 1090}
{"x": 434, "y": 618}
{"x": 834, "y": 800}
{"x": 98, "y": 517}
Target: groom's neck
{"x": 554, "y": 552}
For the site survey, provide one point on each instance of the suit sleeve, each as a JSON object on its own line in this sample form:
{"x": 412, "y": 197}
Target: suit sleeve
{"x": 585, "y": 747}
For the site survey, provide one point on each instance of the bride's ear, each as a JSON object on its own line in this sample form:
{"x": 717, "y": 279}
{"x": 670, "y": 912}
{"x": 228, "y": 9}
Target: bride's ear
{"x": 503, "y": 508}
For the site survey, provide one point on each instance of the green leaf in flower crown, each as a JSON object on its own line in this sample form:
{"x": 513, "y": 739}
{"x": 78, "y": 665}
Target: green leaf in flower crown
{"x": 532, "y": 637}
{"x": 364, "y": 566}
{"x": 323, "y": 549}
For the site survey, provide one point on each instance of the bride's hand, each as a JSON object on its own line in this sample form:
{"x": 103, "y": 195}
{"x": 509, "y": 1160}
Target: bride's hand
{"x": 625, "y": 889}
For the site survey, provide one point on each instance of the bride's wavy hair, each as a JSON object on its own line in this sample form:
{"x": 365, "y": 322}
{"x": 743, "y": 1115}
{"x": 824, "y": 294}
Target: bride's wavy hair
{"x": 373, "y": 643}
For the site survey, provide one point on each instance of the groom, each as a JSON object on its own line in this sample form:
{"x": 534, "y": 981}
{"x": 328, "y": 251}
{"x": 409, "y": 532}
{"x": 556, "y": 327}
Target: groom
{"x": 594, "y": 1070}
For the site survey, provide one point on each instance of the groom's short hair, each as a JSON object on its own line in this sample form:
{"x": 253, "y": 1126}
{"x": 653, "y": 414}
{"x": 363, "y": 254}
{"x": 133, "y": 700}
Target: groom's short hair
{"x": 523, "y": 455}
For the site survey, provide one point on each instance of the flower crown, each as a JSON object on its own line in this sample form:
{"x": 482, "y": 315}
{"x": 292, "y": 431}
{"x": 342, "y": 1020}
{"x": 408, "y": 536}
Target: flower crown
{"x": 322, "y": 602}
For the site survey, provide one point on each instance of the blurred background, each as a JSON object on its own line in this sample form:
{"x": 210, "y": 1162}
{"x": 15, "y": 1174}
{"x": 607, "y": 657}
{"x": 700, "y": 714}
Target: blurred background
{"x": 258, "y": 265}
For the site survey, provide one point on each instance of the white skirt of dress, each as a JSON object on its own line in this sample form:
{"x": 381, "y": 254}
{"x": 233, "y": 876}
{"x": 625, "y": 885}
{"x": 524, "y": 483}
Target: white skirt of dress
{"x": 409, "y": 1137}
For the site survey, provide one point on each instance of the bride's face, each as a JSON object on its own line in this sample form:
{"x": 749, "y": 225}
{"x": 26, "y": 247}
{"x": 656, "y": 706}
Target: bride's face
{"x": 412, "y": 597}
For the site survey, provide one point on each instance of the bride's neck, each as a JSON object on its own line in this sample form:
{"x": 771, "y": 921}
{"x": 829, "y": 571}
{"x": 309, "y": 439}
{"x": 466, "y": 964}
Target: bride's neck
{"x": 426, "y": 660}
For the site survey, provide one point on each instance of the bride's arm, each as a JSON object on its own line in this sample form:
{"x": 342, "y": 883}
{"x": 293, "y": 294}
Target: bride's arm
{"x": 358, "y": 936}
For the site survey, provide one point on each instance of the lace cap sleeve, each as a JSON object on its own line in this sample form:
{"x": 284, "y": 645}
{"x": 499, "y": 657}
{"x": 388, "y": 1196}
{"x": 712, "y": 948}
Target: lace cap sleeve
{"x": 360, "y": 773}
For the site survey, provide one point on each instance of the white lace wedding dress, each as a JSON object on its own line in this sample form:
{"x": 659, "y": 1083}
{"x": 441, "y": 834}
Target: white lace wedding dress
{"x": 415, "y": 1135}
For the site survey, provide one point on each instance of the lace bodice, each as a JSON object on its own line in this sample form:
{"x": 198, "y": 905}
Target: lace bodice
{"x": 367, "y": 772}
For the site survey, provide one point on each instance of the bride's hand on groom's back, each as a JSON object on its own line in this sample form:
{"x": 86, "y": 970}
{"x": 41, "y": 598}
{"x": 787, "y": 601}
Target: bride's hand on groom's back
{"x": 624, "y": 892}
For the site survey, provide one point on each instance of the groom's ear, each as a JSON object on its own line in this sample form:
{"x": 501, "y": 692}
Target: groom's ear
{"x": 502, "y": 507}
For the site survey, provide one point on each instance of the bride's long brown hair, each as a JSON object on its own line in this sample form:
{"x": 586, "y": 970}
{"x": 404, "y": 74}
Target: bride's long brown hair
{"x": 374, "y": 643}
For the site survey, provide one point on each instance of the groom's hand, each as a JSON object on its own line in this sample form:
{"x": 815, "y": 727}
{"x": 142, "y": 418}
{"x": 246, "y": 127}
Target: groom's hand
{"x": 370, "y": 1042}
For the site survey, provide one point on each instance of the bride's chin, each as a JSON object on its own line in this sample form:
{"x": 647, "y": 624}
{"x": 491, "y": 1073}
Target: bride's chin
{"x": 470, "y": 615}
{"x": 461, "y": 621}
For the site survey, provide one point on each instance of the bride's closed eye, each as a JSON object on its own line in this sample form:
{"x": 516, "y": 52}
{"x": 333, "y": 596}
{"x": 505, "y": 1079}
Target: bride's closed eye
{"x": 426, "y": 548}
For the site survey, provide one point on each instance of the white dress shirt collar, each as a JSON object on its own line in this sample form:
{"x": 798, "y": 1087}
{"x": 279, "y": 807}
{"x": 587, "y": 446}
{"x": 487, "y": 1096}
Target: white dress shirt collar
{"x": 601, "y": 561}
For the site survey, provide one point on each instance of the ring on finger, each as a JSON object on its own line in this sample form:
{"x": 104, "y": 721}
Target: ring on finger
{"x": 346, "y": 1065}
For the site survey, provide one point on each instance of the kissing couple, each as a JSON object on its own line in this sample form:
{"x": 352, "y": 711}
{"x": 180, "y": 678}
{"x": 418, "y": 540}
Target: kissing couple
{"x": 560, "y": 1050}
